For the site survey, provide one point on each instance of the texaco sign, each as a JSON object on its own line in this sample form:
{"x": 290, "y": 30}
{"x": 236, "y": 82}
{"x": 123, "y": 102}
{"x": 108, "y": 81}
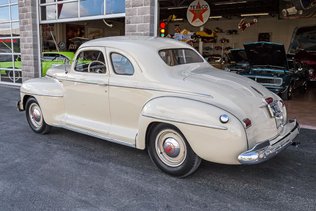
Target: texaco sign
{"x": 198, "y": 12}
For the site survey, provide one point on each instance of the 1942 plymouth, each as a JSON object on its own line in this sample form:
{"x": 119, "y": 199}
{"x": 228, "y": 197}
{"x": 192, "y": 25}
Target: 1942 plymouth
{"x": 160, "y": 95}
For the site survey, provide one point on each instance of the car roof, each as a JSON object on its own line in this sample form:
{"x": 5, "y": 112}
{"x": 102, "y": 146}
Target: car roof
{"x": 132, "y": 42}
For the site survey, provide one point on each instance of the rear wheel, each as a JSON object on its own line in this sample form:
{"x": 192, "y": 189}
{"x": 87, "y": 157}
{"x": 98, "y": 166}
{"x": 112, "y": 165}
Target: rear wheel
{"x": 170, "y": 151}
{"x": 35, "y": 117}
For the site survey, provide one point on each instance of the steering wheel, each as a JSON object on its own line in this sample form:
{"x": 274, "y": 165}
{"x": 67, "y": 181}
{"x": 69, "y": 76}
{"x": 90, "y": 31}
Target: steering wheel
{"x": 100, "y": 67}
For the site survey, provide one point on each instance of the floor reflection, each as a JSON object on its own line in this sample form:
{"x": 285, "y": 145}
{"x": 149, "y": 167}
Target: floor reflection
{"x": 303, "y": 107}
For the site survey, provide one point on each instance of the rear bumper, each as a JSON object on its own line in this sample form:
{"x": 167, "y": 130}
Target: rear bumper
{"x": 265, "y": 150}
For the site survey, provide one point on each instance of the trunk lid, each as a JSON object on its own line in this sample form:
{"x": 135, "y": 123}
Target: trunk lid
{"x": 238, "y": 95}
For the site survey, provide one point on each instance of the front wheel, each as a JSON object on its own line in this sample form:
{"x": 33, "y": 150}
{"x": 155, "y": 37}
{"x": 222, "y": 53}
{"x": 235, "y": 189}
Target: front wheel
{"x": 170, "y": 151}
{"x": 287, "y": 95}
{"x": 35, "y": 117}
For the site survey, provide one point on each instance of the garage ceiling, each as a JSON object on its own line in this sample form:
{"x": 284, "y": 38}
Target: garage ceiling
{"x": 225, "y": 8}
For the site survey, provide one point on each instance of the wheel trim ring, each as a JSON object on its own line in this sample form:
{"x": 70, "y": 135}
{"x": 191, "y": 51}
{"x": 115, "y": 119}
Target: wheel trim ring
{"x": 35, "y": 116}
{"x": 170, "y": 161}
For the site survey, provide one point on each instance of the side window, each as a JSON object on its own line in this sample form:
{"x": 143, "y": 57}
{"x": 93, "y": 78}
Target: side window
{"x": 121, "y": 65}
{"x": 91, "y": 61}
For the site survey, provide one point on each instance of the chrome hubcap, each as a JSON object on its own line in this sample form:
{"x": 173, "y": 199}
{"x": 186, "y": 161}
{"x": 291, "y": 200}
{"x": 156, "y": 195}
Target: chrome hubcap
{"x": 35, "y": 115}
{"x": 170, "y": 148}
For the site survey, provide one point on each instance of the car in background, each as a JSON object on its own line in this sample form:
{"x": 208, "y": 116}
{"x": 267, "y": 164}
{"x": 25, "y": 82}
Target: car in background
{"x": 52, "y": 59}
{"x": 303, "y": 49}
{"x": 238, "y": 61}
{"x": 48, "y": 60}
{"x": 162, "y": 96}
{"x": 270, "y": 67}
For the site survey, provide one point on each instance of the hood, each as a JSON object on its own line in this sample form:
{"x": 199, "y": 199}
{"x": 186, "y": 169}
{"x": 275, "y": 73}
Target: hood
{"x": 266, "y": 54}
{"x": 238, "y": 56}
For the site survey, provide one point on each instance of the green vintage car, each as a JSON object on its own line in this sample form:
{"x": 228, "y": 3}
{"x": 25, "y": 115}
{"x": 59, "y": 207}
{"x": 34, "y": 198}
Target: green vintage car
{"x": 49, "y": 59}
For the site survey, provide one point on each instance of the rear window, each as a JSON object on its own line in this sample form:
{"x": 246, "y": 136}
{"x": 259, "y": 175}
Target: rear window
{"x": 179, "y": 56}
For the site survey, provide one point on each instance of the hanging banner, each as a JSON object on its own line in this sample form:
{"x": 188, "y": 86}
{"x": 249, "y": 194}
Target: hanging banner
{"x": 198, "y": 13}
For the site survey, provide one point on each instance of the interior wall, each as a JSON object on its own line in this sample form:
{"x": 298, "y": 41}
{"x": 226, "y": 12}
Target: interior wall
{"x": 92, "y": 29}
{"x": 281, "y": 30}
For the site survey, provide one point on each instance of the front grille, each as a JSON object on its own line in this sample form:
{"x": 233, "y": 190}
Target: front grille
{"x": 267, "y": 80}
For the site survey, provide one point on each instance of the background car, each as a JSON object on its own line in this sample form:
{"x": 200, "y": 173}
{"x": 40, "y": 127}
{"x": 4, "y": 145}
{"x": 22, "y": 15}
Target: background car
{"x": 238, "y": 61}
{"x": 270, "y": 67}
{"x": 303, "y": 49}
{"x": 48, "y": 60}
{"x": 162, "y": 96}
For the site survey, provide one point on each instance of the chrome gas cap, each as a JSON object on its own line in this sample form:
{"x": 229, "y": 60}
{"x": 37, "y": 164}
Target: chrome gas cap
{"x": 171, "y": 147}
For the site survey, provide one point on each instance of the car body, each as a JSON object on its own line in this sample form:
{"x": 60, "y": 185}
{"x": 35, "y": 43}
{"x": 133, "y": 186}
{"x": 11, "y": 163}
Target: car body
{"x": 238, "y": 61}
{"x": 48, "y": 60}
{"x": 161, "y": 95}
{"x": 270, "y": 67}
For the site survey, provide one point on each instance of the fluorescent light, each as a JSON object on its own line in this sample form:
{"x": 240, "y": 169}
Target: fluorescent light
{"x": 216, "y": 17}
{"x": 178, "y": 19}
{"x": 230, "y": 3}
{"x": 254, "y": 14}
{"x": 177, "y": 8}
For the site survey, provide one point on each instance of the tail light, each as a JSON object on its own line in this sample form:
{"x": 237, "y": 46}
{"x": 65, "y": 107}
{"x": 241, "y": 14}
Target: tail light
{"x": 269, "y": 100}
{"x": 247, "y": 122}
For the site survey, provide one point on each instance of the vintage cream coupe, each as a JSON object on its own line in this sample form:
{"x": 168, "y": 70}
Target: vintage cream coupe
{"x": 160, "y": 95}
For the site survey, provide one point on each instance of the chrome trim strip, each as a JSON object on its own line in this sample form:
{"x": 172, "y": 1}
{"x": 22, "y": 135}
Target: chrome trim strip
{"x": 87, "y": 82}
{"x": 34, "y": 94}
{"x": 162, "y": 90}
{"x": 140, "y": 87}
{"x": 187, "y": 123}
{"x": 96, "y": 135}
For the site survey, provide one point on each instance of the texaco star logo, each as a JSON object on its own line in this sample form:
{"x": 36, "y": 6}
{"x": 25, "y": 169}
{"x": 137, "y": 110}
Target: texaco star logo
{"x": 198, "y": 12}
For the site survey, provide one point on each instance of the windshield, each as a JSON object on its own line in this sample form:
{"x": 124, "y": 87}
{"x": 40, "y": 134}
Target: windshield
{"x": 180, "y": 56}
{"x": 304, "y": 38}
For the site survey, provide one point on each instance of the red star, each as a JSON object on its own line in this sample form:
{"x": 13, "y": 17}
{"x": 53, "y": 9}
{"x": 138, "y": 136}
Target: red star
{"x": 198, "y": 12}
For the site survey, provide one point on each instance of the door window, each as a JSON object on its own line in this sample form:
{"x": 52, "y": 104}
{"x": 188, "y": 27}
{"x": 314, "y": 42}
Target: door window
{"x": 90, "y": 61}
{"x": 121, "y": 65}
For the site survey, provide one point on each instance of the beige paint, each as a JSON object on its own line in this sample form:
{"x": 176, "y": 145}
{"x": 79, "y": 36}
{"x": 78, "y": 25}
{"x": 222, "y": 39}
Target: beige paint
{"x": 192, "y": 97}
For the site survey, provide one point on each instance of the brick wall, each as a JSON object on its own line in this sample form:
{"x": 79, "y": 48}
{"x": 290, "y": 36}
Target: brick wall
{"x": 139, "y": 18}
{"x": 29, "y": 41}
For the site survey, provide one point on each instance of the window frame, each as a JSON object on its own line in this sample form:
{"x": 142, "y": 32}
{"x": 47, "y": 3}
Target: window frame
{"x": 185, "y": 59}
{"x": 113, "y": 68}
{"x": 90, "y": 49}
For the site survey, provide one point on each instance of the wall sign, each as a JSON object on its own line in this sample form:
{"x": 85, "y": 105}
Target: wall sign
{"x": 198, "y": 13}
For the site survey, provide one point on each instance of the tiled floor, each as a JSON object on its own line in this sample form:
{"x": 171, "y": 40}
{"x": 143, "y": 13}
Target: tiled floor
{"x": 303, "y": 107}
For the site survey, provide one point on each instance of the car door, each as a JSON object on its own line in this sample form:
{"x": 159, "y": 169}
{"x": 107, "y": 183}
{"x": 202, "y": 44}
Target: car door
{"x": 86, "y": 92}
{"x": 126, "y": 95}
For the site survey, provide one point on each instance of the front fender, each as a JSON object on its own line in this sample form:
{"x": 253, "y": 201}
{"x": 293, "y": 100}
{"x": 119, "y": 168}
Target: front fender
{"x": 49, "y": 94}
{"x": 45, "y": 86}
{"x": 199, "y": 122}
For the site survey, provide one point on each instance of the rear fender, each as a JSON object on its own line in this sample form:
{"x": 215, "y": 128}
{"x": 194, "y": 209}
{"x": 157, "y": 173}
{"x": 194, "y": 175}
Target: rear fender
{"x": 185, "y": 113}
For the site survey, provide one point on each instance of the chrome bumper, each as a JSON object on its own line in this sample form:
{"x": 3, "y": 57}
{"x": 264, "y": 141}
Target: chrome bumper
{"x": 265, "y": 150}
